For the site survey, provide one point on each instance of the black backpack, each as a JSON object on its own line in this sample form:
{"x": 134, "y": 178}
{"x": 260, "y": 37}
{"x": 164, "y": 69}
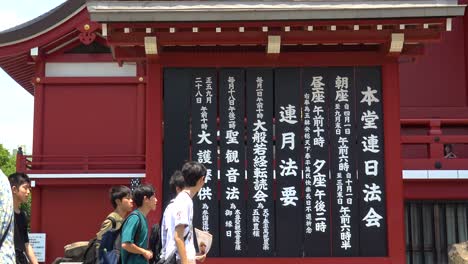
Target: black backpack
{"x": 111, "y": 243}
{"x": 91, "y": 253}
{"x": 155, "y": 243}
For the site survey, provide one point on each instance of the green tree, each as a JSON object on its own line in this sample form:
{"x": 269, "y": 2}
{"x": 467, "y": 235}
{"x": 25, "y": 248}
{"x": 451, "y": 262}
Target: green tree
{"x": 8, "y": 166}
{"x": 7, "y": 161}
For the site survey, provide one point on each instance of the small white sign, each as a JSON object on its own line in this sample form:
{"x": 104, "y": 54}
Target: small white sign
{"x": 38, "y": 243}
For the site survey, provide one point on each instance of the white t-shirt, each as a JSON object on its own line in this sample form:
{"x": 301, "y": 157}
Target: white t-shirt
{"x": 167, "y": 228}
{"x": 182, "y": 214}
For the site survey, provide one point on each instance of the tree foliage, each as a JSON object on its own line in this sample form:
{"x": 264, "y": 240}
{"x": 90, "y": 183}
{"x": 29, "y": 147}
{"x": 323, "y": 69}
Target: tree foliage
{"x": 7, "y": 161}
{"x": 8, "y": 166}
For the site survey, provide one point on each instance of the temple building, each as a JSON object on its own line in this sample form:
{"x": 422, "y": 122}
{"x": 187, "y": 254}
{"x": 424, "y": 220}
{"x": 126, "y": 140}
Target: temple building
{"x": 332, "y": 131}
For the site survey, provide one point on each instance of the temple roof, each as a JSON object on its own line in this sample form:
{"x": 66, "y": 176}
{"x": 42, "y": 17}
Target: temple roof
{"x": 240, "y": 10}
{"x": 42, "y": 23}
{"x": 56, "y": 27}
{"x": 209, "y": 10}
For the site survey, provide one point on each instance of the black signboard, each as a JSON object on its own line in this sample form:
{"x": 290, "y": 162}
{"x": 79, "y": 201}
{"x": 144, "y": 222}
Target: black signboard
{"x": 232, "y": 156}
{"x": 204, "y": 150}
{"x": 177, "y": 83}
{"x": 370, "y": 145}
{"x": 260, "y": 212}
{"x": 316, "y": 85}
{"x": 327, "y": 154}
{"x": 345, "y": 223}
{"x": 288, "y": 162}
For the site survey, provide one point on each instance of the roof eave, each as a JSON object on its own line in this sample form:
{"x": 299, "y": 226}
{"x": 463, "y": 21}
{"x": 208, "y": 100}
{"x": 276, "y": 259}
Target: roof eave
{"x": 131, "y": 13}
{"x": 41, "y": 24}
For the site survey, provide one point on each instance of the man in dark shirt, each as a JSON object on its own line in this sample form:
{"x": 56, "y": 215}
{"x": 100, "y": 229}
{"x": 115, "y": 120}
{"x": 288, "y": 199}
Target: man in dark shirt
{"x": 20, "y": 187}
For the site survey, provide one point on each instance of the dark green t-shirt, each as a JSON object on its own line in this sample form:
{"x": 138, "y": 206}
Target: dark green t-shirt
{"x": 135, "y": 230}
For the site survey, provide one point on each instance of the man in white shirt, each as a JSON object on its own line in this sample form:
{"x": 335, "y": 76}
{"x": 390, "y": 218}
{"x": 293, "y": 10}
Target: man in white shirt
{"x": 182, "y": 214}
{"x": 176, "y": 184}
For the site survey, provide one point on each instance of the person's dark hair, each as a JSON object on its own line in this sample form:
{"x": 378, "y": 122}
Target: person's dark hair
{"x": 18, "y": 178}
{"x": 140, "y": 192}
{"x": 448, "y": 148}
{"x": 177, "y": 180}
{"x": 192, "y": 172}
{"x": 118, "y": 193}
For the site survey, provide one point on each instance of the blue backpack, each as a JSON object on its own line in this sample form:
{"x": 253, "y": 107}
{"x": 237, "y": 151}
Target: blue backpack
{"x": 111, "y": 244}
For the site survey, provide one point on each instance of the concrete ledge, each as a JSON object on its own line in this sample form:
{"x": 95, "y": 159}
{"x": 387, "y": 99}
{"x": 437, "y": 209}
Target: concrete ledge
{"x": 87, "y": 175}
{"x": 415, "y": 174}
{"x": 435, "y": 174}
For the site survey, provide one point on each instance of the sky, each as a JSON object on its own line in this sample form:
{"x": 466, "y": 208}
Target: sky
{"x": 17, "y": 105}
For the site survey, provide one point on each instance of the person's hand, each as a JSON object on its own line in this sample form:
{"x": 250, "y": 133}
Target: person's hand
{"x": 148, "y": 254}
{"x": 200, "y": 258}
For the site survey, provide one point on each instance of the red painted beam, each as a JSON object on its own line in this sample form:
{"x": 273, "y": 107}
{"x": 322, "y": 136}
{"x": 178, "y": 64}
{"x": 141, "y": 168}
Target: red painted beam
{"x": 427, "y": 121}
{"x": 18, "y": 68}
{"x": 436, "y": 189}
{"x": 89, "y": 80}
{"x": 434, "y": 163}
{"x": 80, "y": 58}
{"x": 427, "y": 139}
{"x": 259, "y": 24}
{"x": 413, "y": 50}
{"x": 25, "y": 74}
{"x": 15, "y": 62}
{"x": 257, "y": 59}
{"x": 134, "y": 53}
{"x": 64, "y": 39}
{"x": 66, "y": 47}
{"x": 260, "y": 38}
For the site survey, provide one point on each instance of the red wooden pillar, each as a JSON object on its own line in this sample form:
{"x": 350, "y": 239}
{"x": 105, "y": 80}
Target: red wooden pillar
{"x": 38, "y": 130}
{"x": 36, "y": 223}
{"x": 38, "y": 108}
{"x": 465, "y": 25}
{"x": 20, "y": 162}
{"x": 154, "y": 121}
{"x": 141, "y": 72}
{"x": 393, "y": 165}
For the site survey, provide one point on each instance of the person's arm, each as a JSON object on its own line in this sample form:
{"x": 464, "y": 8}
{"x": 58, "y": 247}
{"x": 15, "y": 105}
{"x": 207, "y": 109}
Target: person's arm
{"x": 180, "y": 243}
{"x": 132, "y": 248}
{"x": 200, "y": 258}
{"x": 30, "y": 254}
{"x": 129, "y": 231}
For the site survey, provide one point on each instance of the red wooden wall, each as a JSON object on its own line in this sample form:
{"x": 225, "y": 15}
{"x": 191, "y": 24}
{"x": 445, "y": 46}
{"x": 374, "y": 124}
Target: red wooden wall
{"x": 434, "y": 86}
{"x": 90, "y": 120}
{"x": 73, "y": 213}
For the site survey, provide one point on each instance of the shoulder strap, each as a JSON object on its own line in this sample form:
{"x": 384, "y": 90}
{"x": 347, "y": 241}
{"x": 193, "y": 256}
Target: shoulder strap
{"x": 114, "y": 223}
{"x": 7, "y": 231}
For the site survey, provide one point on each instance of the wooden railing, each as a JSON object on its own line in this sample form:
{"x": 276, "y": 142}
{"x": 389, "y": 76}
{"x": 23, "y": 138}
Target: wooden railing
{"x": 424, "y": 143}
{"x": 80, "y": 164}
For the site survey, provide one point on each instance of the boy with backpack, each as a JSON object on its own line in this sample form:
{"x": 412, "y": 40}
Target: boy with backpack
{"x": 21, "y": 188}
{"x": 122, "y": 202}
{"x": 134, "y": 234}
